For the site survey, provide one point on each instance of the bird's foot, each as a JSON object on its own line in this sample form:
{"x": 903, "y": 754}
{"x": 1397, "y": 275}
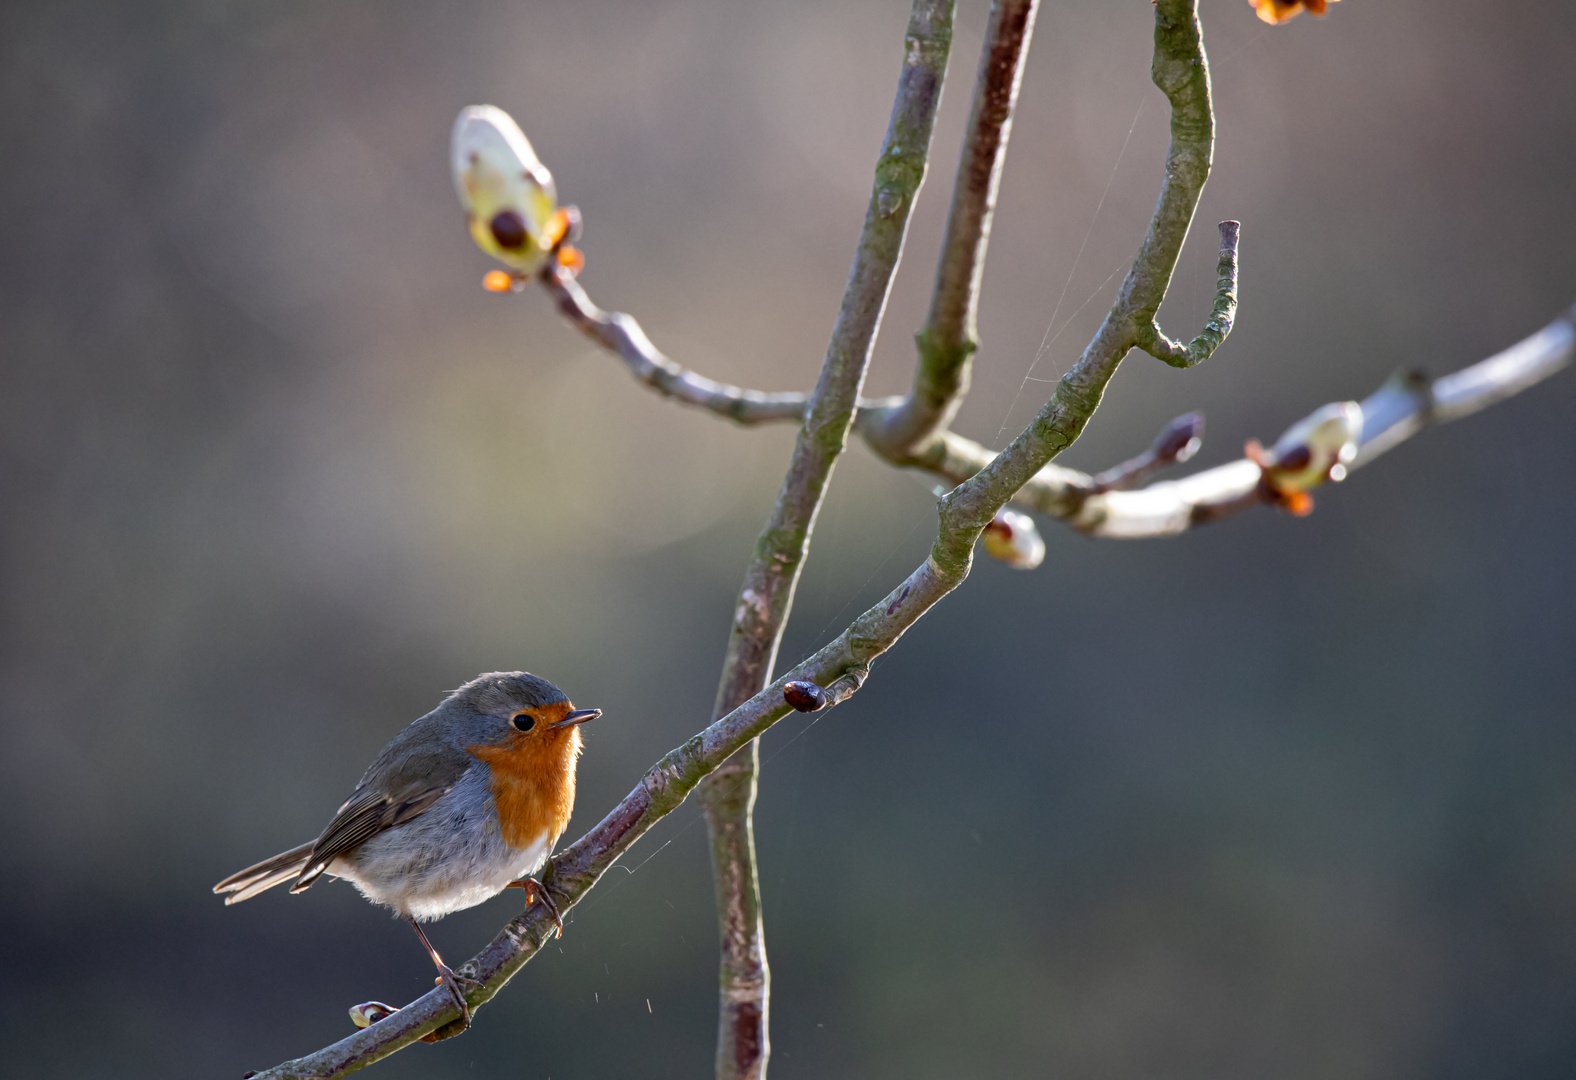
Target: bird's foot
{"x": 534, "y": 891}
{"x": 456, "y": 985}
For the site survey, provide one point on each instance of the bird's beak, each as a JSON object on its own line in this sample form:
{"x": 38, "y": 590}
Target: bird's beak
{"x": 579, "y": 716}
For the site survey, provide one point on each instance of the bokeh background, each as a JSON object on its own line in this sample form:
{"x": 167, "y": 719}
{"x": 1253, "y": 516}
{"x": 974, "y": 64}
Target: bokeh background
{"x": 1279, "y": 797}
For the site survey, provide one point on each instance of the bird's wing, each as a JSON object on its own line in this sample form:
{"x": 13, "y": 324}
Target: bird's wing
{"x": 384, "y": 798}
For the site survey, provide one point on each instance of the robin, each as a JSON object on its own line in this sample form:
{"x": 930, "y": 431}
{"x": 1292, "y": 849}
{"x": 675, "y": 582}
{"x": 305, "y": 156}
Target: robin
{"x": 464, "y": 803}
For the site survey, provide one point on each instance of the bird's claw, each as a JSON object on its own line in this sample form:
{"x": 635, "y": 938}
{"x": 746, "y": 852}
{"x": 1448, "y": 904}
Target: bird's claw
{"x": 447, "y": 978}
{"x": 534, "y": 891}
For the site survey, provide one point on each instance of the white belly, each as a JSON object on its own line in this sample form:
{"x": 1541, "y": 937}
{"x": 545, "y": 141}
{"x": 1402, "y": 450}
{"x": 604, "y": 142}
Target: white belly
{"x": 448, "y": 859}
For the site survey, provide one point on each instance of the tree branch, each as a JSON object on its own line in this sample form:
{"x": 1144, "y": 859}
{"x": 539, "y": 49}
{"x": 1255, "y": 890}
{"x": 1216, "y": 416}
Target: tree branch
{"x": 1181, "y": 71}
{"x": 765, "y": 598}
{"x": 912, "y": 432}
{"x": 1156, "y": 344}
{"x": 621, "y": 334}
{"x": 950, "y": 336}
{"x": 963, "y": 515}
{"x": 1178, "y": 441}
{"x": 1399, "y": 409}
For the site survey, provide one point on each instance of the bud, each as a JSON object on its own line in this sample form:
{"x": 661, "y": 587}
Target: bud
{"x": 1179, "y": 440}
{"x": 804, "y": 696}
{"x": 370, "y": 1012}
{"x": 1012, "y": 538}
{"x": 511, "y": 205}
{"x": 1317, "y": 448}
{"x": 1314, "y": 449}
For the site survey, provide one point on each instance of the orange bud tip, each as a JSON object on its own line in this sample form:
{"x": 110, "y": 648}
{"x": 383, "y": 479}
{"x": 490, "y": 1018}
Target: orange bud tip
{"x": 1297, "y": 503}
{"x": 498, "y": 281}
{"x": 556, "y": 228}
{"x": 1276, "y": 12}
{"x": 571, "y": 259}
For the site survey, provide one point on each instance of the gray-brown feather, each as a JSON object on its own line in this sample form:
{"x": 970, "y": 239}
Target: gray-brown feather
{"x": 265, "y": 875}
{"x": 415, "y": 770}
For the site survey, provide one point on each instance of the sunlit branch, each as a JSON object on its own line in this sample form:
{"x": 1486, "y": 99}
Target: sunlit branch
{"x": 621, "y": 334}
{"x": 1156, "y": 344}
{"x": 949, "y": 337}
{"x": 766, "y": 596}
{"x": 1399, "y": 409}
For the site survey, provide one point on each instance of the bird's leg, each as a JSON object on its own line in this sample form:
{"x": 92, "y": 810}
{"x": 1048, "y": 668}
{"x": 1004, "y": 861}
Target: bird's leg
{"x": 534, "y": 891}
{"x": 446, "y": 977}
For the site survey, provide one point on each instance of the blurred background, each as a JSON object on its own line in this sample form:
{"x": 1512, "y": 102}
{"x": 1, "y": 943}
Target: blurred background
{"x": 1278, "y": 797}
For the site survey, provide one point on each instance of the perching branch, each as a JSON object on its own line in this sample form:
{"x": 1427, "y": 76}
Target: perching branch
{"x": 761, "y": 613}
{"x": 845, "y": 661}
{"x": 949, "y": 337}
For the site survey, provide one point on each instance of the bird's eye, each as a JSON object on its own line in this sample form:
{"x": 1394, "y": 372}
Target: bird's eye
{"x": 523, "y": 722}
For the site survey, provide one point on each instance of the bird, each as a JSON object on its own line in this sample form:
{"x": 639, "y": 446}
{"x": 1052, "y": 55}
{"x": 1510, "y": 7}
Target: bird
{"x": 462, "y": 804}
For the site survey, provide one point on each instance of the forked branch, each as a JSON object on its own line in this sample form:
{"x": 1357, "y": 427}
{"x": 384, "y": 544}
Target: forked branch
{"x": 949, "y": 337}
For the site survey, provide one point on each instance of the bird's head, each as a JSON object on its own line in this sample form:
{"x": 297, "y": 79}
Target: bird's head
{"x": 523, "y": 713}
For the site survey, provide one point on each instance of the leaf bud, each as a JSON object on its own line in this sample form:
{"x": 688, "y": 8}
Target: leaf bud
{"x": 1316, "y": 448}
{"x": 511, "y": 205}
{"x": 1012, "y": 538}
{"x": 370, "y": 1012}
{"x": 1179, "y": 440}
{"x": 804, "y": 696}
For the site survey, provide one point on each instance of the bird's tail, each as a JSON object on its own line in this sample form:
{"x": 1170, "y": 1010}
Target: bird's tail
{"x": 265, "y": 875}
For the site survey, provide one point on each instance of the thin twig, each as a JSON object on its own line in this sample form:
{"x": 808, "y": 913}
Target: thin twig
{"x": 950, "y": 336}
{"x": 765, "y": 598}
{"x": 1201, "y": 348}
{"x": 1177, "y": 442}
{"x": 621, "y": 334}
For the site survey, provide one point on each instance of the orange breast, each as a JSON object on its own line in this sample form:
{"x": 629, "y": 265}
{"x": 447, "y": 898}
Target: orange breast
{"x": 533, "y": 783}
